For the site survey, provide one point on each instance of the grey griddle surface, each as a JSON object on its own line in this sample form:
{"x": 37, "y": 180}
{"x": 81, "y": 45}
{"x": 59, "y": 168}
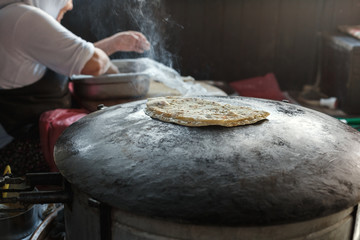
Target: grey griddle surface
{"x": 298, "y": 164}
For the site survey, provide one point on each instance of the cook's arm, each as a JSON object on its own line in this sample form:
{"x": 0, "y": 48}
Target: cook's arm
{"x": 129, "y": 41}
{"x": 99, "y": 64}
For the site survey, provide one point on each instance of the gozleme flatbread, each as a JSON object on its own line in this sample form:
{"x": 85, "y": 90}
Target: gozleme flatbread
{"x": 192, "y": 111}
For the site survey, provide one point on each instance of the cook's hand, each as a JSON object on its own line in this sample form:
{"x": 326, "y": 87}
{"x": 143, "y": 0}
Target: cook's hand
{"x": 131, "y": 41}
{"x": 99, "y": 64}
{"x": 112, "y": 69}
{"x": 124, "y": 41}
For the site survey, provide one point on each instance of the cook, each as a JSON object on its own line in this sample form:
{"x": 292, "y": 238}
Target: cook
{"x": 38, "y": 54}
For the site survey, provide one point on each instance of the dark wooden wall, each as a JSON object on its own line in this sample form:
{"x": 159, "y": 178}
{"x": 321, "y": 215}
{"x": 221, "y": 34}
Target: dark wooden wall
{"x": 224, "y": 39}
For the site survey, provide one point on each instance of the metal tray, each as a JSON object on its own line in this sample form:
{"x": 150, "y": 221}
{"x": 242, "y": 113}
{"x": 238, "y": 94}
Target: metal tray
{"x": 132, "y": 81}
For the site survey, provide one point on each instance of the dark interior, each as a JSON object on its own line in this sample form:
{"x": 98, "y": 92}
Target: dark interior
{"x": 224, "y": 40}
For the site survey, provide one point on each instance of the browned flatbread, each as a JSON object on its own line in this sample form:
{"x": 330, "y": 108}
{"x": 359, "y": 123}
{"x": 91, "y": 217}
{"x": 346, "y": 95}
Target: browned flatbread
{"x": 192, "y": 111}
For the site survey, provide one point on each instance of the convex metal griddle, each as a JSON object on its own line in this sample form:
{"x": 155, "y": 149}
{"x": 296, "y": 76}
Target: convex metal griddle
{"x": 298, "y": 164}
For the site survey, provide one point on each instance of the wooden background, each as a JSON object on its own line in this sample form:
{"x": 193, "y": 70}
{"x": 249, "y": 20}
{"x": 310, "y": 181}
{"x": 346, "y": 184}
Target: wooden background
{"x": 223, "y": 39}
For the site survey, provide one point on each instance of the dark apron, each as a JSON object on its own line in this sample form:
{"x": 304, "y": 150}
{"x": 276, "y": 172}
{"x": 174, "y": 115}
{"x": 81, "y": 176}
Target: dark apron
{"x": 21, "y": 107}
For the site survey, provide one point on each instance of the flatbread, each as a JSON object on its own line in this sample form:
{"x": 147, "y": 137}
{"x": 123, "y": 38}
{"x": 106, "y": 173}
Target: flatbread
{"x": 195, "y": 112}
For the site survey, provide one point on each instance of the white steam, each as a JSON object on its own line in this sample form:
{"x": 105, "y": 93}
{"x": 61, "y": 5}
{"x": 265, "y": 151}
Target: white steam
{"x": 172, "y": 79}
{"x": 148, "y": 17}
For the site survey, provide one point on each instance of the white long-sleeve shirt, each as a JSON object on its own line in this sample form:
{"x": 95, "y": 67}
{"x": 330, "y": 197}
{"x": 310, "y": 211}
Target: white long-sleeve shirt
{"x": 31, "y": 40}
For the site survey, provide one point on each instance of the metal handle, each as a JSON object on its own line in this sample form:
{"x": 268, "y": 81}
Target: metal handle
{"x": 48, "y": 179}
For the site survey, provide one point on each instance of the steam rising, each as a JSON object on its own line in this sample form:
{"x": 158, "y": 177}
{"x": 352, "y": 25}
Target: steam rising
{"x": 171, "y": 78}
{"x": 148, "y": 17}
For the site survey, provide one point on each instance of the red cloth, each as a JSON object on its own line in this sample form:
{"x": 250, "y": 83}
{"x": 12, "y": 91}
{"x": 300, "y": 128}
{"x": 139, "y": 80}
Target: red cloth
{"x": 259, "y": 87}
{"x": 52, "y": 124}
